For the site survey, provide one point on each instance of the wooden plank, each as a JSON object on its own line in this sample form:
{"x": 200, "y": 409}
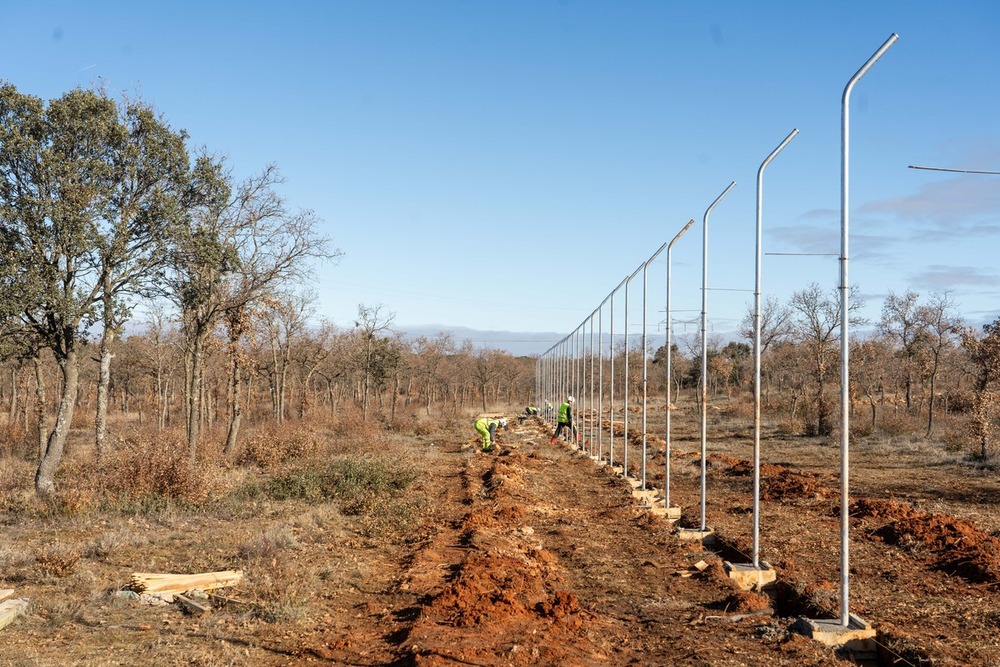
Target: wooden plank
{"x": 5, "y": 593}
{"x": 10, "y": 610}
{"x": 153, "y": 582}
{"x": 191, "y": 606}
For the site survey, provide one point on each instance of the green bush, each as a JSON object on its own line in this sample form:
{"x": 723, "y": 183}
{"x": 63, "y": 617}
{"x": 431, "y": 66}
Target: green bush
{"x": 355, "y": 483}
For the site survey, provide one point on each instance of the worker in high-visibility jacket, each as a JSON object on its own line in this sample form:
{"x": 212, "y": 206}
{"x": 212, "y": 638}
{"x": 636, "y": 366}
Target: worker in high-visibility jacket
{"x": 565, "y": 420}
{"x": 487, "y": 427}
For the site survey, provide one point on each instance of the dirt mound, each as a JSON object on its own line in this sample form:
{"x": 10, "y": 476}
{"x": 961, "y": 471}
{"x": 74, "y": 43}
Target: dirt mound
{"x": 723, "y": 461}
{"x": 745, "y": 602}
{"x": 777, "y": 482}
{"x": 956, "y": 546}
{"x": 788, "y": 484}
{"x": 501, "y": 590}
{"x": 744, "y": 468}
{"x": 500, "y": 516}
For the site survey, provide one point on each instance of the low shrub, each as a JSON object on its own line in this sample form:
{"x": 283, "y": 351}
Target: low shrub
{"x": 276, "y": 444}
{"x": 898, "y": 422}
{"x": 356, "y": 483}
{"x": 140, "y": 474}
{"x": 56, "y": 560}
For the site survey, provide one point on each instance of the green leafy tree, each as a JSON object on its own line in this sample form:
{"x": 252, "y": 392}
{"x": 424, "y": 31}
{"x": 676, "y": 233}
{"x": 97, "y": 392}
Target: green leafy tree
{"x": 149, "y": 167}
{"x": 56, "y": 179}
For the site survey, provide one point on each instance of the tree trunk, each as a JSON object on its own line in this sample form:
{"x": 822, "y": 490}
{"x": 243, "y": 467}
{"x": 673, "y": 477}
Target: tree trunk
{"x": 193, "y": 389}
{"x": 12, "y": 412}
{"x": 930, "y": 400}
{"x": 368, "y": 374}
{"x": 236, "y": 409}
{"x": 42, "y": 429}
{"x": 103, "y": 384}
{"x": 395, "y": 396}
{"x": 49, "y": 463}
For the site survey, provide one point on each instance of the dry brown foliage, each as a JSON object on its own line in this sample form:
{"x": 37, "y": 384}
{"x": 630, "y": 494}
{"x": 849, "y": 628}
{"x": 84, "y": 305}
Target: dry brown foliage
{"x": 141, "y": 467}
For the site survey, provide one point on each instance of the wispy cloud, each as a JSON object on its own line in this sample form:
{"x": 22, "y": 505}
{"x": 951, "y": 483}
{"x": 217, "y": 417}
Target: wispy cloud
{"x": 939, "y": 277}
{"x": 963, "y": 206}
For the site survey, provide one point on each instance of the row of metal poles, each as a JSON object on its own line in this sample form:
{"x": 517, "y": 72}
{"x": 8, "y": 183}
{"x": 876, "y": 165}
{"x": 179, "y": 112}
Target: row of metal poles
{"x": 575, "y": 365}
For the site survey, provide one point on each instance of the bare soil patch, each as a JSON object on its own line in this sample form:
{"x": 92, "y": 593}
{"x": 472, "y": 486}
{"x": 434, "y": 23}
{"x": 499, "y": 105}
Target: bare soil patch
{"x": 530, "y": 555}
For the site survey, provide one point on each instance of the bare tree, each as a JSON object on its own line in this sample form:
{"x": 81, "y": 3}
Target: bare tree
{"x": 816, "y": 327}
{"x": 486, "y": 368}
{"x": 308, "y": 355}
{"x": 901, "y": 322}
{"x": 372, "y": 321}
{"x": 868, "y": 366}
{"x": 240, "y": 245}
{"x": 942, "y": 326}
{"x": 430, "y": 356}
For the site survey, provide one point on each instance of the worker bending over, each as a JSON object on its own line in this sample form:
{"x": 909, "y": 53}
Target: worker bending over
{"x": 487, "y": 427}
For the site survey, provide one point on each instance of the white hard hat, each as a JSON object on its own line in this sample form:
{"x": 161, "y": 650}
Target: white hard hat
{"x": 503, "y": 423}
{"x": 570, "y": 399}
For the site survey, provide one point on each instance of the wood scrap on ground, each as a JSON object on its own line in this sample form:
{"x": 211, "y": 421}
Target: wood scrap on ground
{"x": 700, "y": 566}
{"x": 191, "y": 606}
{"x": 152, "y": 582}
{"x": 10, "y": 610}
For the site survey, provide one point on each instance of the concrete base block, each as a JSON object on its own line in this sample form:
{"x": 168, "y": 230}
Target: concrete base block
{"x": 645, "y": 497}
{"x": 636, "y": 483}
{"x": 854, "y": 637}
{"x": 618, "y": 470}
{"x": 749, "y": 577}
{"x": 672, "y": 513}
{"x": 669, "y": 513}
{"x": 706, "y": 536}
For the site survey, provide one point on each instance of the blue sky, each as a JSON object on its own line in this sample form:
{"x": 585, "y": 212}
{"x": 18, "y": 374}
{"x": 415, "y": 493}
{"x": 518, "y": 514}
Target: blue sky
{"x": 503, "y": 165}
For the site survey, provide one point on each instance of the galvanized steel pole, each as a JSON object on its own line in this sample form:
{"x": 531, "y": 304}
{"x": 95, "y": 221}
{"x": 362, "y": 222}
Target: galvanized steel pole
{"x": 704, "y": 349}
{"x": 625, "y": 451}
{"x": 666, "y": 481}
{"x": 756, "y": 349}
{"x": 600, "y": 380}
{"x": 611, "y": 398}
{"x": 844, "y": 342}
{"x": 600, "y": 410}
{"x": 645, "y": 288}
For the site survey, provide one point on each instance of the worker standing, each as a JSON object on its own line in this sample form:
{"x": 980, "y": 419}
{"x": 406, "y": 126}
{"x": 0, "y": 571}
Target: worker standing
{"x": 487, "y": 427}
{"x": 565, "y": 420}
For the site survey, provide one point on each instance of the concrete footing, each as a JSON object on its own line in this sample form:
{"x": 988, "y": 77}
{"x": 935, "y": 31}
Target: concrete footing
{"x": 857, "y": 636}
{"x": 669, "y": 513}
{"x": 748, "y": 577}
{"x": 646, "y": 497}
{"x": 706, "y": 536}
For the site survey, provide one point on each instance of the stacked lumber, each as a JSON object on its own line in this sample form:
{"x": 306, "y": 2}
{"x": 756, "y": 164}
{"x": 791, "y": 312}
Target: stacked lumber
{"x": 167, "y": 584}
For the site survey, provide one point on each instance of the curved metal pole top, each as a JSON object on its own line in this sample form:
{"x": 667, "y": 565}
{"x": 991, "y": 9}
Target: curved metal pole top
{"x": 868, "y": 65}
{"x": 680, "y": 233}
{"x": 635, "y": 273}
{"x": 774, "y": 153}
{"x": 655, "y": 255}
{"x": 717, "y": 200}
